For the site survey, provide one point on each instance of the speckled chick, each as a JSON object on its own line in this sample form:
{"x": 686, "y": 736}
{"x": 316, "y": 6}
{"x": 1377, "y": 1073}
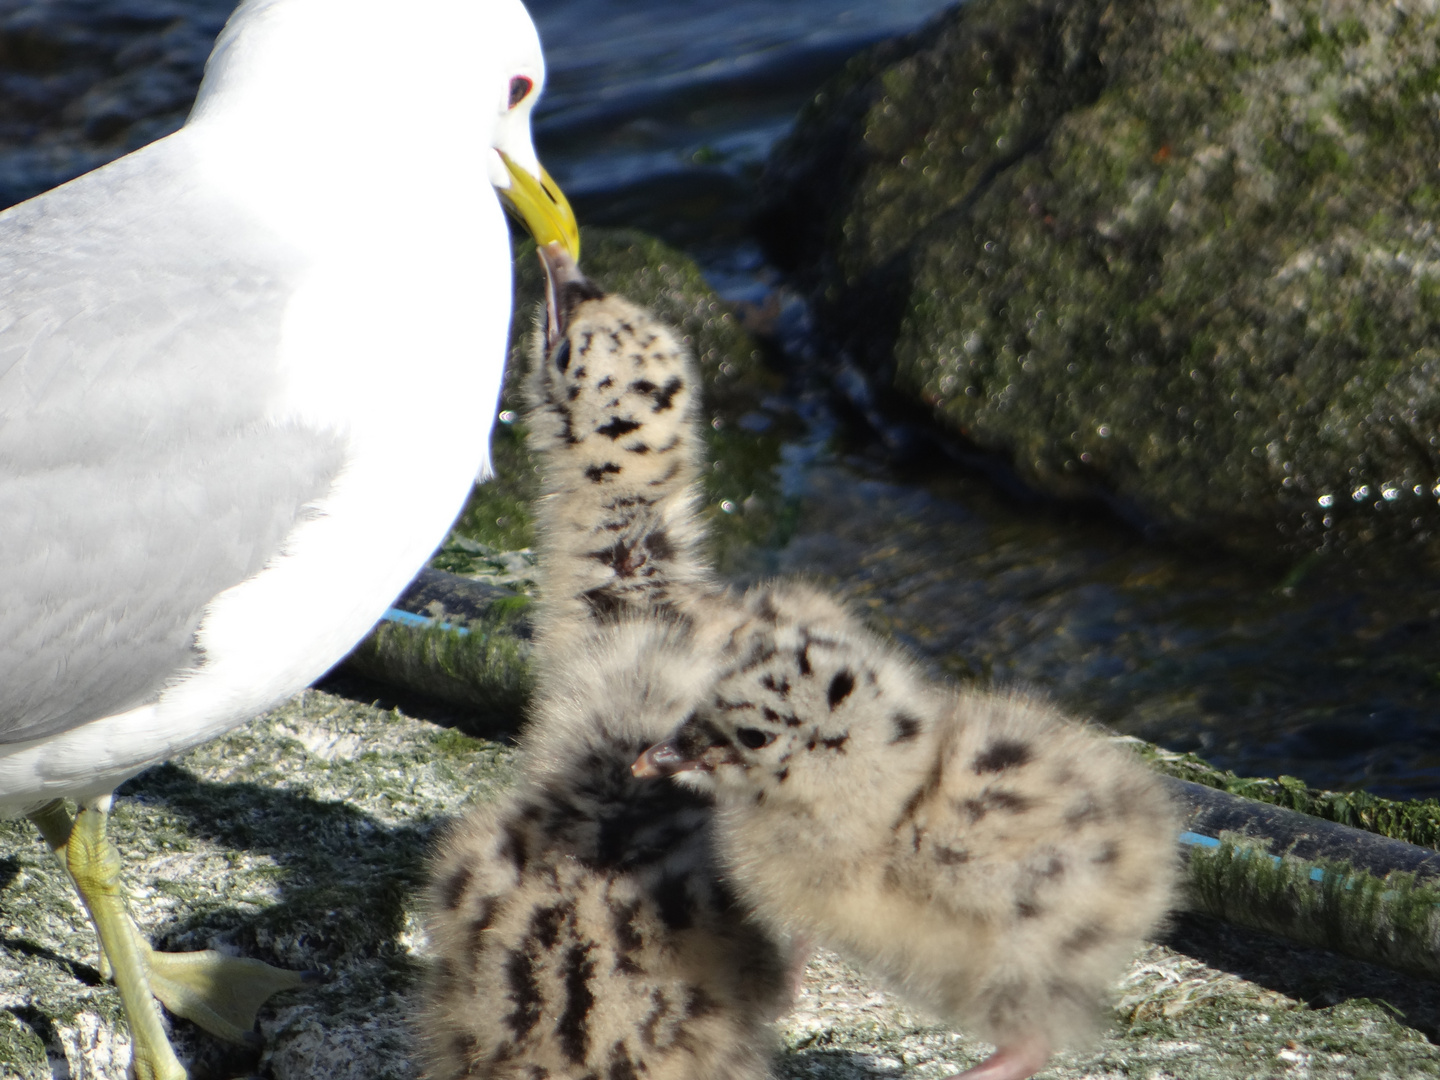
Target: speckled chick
{"x": 614, "y": 419}
{"x": 579, "y": 926}
{"x": 994, "y": 862}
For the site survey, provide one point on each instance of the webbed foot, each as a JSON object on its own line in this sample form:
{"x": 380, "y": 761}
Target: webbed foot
{"x": 219, "y": 993}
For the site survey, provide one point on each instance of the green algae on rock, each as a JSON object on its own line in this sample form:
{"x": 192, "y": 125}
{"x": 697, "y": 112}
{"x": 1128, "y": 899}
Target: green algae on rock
{"x": 1393, "y": 920}
{"x": 481, "y": 664}
{"x": 1415, "y": 821}
{"x": 1178, "y": 255}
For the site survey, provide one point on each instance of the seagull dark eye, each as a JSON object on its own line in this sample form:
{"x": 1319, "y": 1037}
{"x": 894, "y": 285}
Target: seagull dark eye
{"x": 520, "y": 88}
{"x": 754, "y": 738}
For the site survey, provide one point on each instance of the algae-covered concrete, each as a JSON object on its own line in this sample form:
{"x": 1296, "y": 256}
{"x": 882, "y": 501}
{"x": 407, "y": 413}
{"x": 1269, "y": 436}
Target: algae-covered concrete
{"x": 301, "y": 839}
{"x": 1177, "y": 254}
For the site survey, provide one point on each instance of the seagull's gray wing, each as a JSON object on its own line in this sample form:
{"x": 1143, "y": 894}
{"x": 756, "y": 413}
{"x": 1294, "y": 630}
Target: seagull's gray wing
{"x": 139, "y": 474}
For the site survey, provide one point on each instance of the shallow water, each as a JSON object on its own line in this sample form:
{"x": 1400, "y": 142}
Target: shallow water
{"x": 659, "y": 114}
{"x": 1330, "y": 679}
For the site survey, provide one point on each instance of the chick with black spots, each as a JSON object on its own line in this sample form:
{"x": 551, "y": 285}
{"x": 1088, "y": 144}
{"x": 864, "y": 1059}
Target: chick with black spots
{"x": 994, "y": 862}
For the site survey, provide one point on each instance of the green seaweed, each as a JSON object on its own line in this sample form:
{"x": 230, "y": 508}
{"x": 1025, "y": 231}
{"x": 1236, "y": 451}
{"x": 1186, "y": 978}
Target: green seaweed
{"x": 1415, "y": 821}
{"x": 1394, "y": 920}
{"x": 483, "y": 665}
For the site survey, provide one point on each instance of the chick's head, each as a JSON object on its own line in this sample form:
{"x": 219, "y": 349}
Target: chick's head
{"x": 810, "y": 709}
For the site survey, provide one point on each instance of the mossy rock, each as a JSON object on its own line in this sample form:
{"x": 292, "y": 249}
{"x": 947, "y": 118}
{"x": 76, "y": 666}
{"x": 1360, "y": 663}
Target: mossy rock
{"x": 1178, "y": 255}
{"x": 1414, "y": 821}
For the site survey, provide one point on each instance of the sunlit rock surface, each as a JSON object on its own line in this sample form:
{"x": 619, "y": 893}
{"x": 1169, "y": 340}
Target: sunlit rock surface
{"x": 1179, "y": 255}
{"x": 301, "y": 839}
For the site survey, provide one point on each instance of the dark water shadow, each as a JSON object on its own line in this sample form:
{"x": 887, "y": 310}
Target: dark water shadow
{"x": 1318, "y": 977}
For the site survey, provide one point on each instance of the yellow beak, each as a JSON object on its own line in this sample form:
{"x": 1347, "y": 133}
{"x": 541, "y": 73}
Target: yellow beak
{"x": 542, "y": 207}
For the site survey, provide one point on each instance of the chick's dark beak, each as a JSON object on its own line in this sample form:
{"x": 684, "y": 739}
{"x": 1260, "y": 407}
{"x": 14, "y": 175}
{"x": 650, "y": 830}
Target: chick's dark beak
{"x": 566, "y": 288}
{"x": 665, "y": 759}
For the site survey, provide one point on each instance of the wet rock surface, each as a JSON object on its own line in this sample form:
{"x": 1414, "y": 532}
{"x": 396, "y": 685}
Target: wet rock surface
{"x": 1179, "y": 256}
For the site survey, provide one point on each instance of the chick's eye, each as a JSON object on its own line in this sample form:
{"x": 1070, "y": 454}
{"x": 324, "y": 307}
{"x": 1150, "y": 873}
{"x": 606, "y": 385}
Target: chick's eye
{"x": 520, "y": 88}
{"x": 754, "y": 738}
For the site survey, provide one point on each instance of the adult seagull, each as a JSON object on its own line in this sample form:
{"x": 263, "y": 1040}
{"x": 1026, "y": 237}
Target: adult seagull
{"x": 245, "y": 380}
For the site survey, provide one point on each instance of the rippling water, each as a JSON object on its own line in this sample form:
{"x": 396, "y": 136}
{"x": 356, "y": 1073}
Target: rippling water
{"x": 1331, "y": 678}
{"x": 659, "y": 114}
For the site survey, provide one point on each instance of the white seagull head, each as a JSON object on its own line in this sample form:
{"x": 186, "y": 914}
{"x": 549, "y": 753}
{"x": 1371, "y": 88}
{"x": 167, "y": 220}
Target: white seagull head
{"x": 308, "y": 108}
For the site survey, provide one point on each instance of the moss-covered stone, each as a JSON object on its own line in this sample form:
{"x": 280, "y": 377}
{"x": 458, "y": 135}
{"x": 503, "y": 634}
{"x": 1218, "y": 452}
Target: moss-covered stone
{"x": 482, "y": 664}
{"x": 1394, "y": 921}
{"x": 1177, "y": 254}
{"x": 1415, "y": 821}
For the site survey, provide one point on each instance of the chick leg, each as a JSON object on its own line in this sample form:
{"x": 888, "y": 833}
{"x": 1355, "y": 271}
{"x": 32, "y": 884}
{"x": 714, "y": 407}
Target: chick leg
{"x": 802, "y": 947}
{"x": 219, "y": 993}
{"x": 1017, "y": 1061}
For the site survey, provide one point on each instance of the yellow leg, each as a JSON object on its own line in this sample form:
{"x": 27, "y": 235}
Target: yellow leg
{"x": 94, "y": 866}
{"x": 217, "y": 992}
